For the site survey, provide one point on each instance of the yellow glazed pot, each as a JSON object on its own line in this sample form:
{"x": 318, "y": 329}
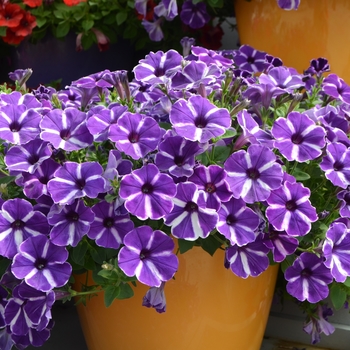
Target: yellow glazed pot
{"x": 208, "y": 307}
{"x": 319, "y": 28}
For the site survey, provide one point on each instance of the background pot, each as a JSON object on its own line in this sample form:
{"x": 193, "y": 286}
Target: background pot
{"x": 208, "y": 307}
{"x": 52, "y": 59}
{"x": 316, "y": 29}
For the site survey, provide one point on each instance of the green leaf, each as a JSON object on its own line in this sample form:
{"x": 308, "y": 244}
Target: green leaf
{"x": 3, "y": 31}
{"x": 221, "y": 153}
{"x": 338, "y": 296}
{"x": 300, "y": 175}
{"x": 4, "y": 264}
{"x": 40, "y": 22}
{"x": 111, "y": 293}
{"x": 79, "y": 252}
{"x": 288, "y": 261}
{"x": 121, "y": 17}
{"x": 125, "y": 291}
{"x": 347, "y": 282}
{"x": 210, "y": 244}
{"x": 228, "y": 134}
{"x": 87, "y": 24}
{"x": 62, "y": 29}
{"x": 7, "y": 179}
{"x": 184, "y": 245}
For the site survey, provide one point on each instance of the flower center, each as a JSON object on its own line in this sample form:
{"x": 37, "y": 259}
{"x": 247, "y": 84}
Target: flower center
{"x": 250, "y": 60}
{"x": 134, "y": 137}
{"x": 15, "y": 126}
{"x": 147, "y": 188}
{"x": 179, "y": 160}
{"x": 159, "y": 72}
{"x": 291, "y": 205}
{"x": 306, "y": 272}
{"x": 72, "y": 216}
{"x": 40, "y": 263}
{"x": 80, "y": 183}
{"x": 253, "y": 173}
{"x": 337, "y": 166}
{"x": 33, "y": 158}
{"x": 230, "y": 220}
{"x": 65, "y": 134}
{"x": 347, "y": 198}
{"x": 108, "y": 222}
{"x": 144, "y": 254}
{"x": 191, "y": 207}
{"x": 297, "y": 139}
{"x": 17, "y": 224}
{"x": 200, "y": 122}
{"x": 210, "y": 187}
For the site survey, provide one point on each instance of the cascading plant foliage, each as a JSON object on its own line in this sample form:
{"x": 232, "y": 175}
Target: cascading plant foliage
{"x": 225, "y": 150}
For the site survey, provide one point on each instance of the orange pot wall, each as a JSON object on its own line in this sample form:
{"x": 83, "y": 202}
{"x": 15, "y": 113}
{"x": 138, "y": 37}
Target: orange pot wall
{"x": 319, "y": 28}
{"x": 208, "y": 307}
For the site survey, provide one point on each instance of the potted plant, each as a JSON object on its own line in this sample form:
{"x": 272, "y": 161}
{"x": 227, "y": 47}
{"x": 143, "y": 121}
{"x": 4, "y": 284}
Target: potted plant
{"x": 108, "y": 186}
{"x": 43, "y": 30}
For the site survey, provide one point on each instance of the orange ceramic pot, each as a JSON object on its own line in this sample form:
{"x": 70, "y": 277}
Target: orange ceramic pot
{"x": 317, "y": 29}
{"x": 208, "y": 307}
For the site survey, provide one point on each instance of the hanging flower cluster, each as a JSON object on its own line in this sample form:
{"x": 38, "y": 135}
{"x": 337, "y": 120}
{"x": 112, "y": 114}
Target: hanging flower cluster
{"x": 107, "y": 175}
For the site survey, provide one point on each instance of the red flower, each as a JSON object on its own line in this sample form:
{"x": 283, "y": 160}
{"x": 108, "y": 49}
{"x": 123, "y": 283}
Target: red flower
{"x": 149, "y": 12}
{"x": 102, "y": 40}
{"x": 33, "y": 3}
{"x": 26, "y": 25}
{"x": 73, "y": 2}
{"x": 10, "y": 15}
{"x": 11, "y": 37}
{"x": 210, "y": 37}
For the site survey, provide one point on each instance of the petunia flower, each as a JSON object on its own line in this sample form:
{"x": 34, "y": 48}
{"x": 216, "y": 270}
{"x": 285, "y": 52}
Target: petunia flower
{"x": 212, "y": 180}
{"x": 237, "y": 222}
{"x": 249, "y": 59}
{"x": 252, "y": 175}
{"x": 248, "y": 260}
{"x": 76, "y": 180}
{"x": 288, "y": 4}
{"x": 155, "y": 297}
{"x": 336, "y": 88}
{"x": 308, "y": 278}
{"x": 28, "y": 157}
{"x": 177, "y": 156}
{"x": 42, "y": 264}
{"x": 199, "y": 120}
{"x": 109, "y": 228}
{"x": 147, "y": 192}
{"x": 18, "y": 221}
{"x": 336, "y": 164}
{"x": 135, "y": 134}
{"x": 190, "y": 217}
{"x": 318, "y": 323}
{"x": 66, "y": 129}
{"x": 18, "y": 124}
{"x": 193, "y": 14}
{"x": 280, "y": 243}
{"x": 149, "y": 256}
{"x": 336, "y": 249}
{"x": 69, "y": 223}
{"x": 298, "y": 137}
{"x": 290, "y": 209}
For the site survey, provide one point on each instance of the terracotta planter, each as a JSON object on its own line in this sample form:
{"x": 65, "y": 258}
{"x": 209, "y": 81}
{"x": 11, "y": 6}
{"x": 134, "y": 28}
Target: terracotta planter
{"x": 316, "y": 29}
{"x": 208, "y": 307}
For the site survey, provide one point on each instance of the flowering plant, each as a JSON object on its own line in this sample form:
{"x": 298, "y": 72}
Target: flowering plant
{"x": 103, "y": 21}
{"x": 200, "y": 149}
